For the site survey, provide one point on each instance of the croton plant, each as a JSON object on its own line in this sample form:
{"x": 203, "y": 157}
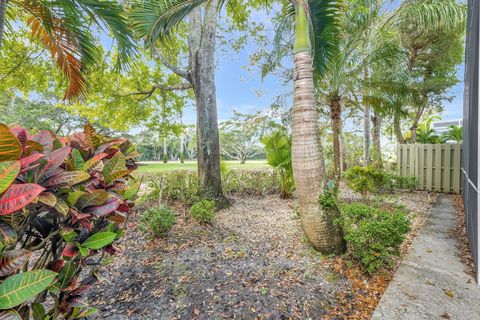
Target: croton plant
{"x": 63, "y": 201}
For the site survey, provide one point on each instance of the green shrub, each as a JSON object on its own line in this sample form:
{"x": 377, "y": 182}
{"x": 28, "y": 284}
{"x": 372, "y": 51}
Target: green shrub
{"x": 409, "y": 183}
{"x": 364, "y": 180}
{"x": 373, "y": 235}
{"x": 183, "y": 185}
{"x": 157, "y": 221}
{"x": 203, "y": 211}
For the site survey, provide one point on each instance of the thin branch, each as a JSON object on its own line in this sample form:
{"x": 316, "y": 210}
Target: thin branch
{"x": 182, "y": 73}
{"x": 149, "y": 93}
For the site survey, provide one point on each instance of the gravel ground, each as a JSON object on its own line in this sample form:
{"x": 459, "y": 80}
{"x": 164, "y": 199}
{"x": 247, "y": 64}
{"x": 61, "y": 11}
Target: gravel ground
{"x": 253, "y": 263}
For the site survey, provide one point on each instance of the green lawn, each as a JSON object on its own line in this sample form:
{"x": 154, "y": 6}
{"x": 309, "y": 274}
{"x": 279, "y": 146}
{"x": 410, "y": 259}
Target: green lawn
{"x": 153, "y": 167}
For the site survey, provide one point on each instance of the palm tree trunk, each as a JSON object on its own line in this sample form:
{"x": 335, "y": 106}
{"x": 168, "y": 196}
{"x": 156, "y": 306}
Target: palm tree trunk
{"x": 3, "y": 11}
{"x": 336, "y": 120}
{"x": 377, "y": 148}
{"x": 398, "y": 130}
{"x": 318, "y": 224}
{"x": 202, "y": 61}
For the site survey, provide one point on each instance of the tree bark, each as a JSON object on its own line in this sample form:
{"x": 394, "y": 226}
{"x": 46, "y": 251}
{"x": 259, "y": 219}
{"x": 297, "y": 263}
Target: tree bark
{"x": 165, "y": 151}
{"x": 366, "y": 134}
{"x": 182, "y": 148}
{"x": 318, "y": 223}
{"x": 336, "y": 120}
{"x": 3, "y": 11}
{"x": 202, "y": 67}
{"x": 377, "y": 148}
{"x": 398, "y": 129}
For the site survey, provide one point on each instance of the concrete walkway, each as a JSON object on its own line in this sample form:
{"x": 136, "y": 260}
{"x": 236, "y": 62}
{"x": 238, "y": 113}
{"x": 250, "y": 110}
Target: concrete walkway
{"x": 431, "y": 282}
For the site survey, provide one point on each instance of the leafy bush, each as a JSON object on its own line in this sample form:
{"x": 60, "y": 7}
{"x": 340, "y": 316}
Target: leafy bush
{"x": 203, "y": 211}
{"x": 373, "y": 235}
{"x": 278, "y": 147}
{"x": 409, "y": 183}
{"x": 62, "y": 201}
{"x": 183, "y": 185}
{"x": 157, "y": 221}
{"x": 364, "y": 180}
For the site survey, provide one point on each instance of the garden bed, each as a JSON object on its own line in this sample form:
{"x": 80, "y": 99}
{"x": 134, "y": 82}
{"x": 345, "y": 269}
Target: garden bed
{"x": 253, "y": 263}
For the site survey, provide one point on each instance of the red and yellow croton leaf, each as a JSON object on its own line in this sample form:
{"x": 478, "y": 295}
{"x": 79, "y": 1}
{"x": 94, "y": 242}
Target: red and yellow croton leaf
{"x": 18, "y": 196}
{"x": 11, "y": 261}
{"x": 26, "y": 163}
{"x": 110, "y": 206}
{"x": 67, "y": 178}
{"x": 7, "y": 234}
{"x": 10, "y": 147}
{"x": 8, "y": 172}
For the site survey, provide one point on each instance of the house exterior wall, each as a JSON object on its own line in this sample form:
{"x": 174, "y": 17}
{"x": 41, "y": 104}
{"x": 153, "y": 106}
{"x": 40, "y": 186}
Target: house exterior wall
{"x": 471, "y": 120}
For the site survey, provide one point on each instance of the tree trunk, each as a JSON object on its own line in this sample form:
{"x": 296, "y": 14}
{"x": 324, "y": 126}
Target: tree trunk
{"x": 3, "y": 11}
{"x": 377, "y": 148}
{"x": 202, "y": 56}
{"x": 165, "y": 151}
{"x": 336, "y": 119}
{"x": 318, "y": 224}
{"x": 366, "y": 135}
{"x": 398, "y": 129}
{"x": 322, "y": 161}
{"x": 182, "y": 148}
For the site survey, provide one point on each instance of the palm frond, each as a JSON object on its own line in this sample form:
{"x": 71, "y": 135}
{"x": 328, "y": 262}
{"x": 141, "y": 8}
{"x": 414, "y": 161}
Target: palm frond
{"x": 155, "y": 20}
{"x": 110, "y": 13}
{"x": 70, "y": 44}
{"x": 430, "y": 15}
{"x": 325, "y": 19}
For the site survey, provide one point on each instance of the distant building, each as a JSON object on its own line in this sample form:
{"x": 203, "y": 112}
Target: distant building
{"x": 443, "y": 126}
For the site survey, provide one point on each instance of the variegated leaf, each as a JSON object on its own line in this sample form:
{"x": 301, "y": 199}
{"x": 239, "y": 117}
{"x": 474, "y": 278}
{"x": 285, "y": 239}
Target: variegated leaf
{"x": 11, "y": 261}
{"x": 48, "y": 198}
{"x": 8, "y": 172}
{"x": 10, "y": 148}
{"x": 67, "y": 178}
{"x": 18, "y": 196}
{"x": 110, "y": 206}
{"x": 7, "y": 234}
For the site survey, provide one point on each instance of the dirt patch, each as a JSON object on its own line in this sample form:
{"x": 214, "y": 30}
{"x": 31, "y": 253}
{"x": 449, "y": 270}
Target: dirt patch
{"x": 253, "y": 263}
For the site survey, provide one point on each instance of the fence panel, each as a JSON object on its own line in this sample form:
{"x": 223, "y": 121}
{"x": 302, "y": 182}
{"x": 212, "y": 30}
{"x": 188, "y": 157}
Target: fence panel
{"x": 437, "y": 166}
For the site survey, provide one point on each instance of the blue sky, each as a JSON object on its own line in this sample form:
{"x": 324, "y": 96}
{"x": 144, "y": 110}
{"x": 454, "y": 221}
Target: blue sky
{"x": 238, "y": 89}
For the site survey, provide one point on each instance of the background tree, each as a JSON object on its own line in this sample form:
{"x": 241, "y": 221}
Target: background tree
{"x": 62, "y": 28}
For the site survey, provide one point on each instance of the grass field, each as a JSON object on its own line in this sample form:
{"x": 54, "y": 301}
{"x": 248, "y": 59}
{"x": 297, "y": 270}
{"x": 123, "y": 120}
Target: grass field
{"x": 155, "y": 166}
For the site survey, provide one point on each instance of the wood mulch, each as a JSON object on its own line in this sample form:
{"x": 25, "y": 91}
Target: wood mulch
{"x": 252, "y": 263}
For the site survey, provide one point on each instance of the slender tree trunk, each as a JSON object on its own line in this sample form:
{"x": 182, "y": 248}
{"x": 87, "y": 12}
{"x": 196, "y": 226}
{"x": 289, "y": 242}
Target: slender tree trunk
{"x": 165, "y": 151}
{"x": 366, "y": 134}
{"x": 318, "y": 224}
{"x": 377, "y": 148}
{"x": 182, "y": 148}
{"x": 202, "y": 56}
{"x": 3, "y": 11}
{"x": 398, "y": 129}
{"x": 336, "y": 119}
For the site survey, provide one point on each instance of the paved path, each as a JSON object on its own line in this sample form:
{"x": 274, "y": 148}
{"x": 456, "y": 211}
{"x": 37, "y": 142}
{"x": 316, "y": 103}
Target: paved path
{"x": 431, "y": 282}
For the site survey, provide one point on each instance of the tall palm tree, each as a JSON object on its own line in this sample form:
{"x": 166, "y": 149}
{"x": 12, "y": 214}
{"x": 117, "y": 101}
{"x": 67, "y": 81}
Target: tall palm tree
{"x": 317, "y": 18}
{"x": 63, "y": 28}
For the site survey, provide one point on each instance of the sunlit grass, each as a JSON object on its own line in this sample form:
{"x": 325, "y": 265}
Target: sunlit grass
{"x": 153, "y": 167}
